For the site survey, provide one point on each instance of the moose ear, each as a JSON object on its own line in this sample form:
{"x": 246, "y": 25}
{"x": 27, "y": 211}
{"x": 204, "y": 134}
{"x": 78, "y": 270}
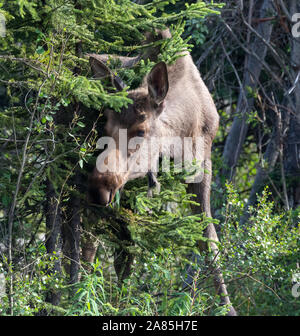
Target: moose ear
{"x": 101, "y": 70}
{"x": 158, "y": 83}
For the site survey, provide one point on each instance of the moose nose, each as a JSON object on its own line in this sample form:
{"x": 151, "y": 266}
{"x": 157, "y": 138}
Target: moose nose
{"x": 100, "y": 196}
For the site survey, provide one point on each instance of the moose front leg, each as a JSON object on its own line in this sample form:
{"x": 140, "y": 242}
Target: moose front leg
{"x": 153, "y": 184}
{"x": 202, "y": 191}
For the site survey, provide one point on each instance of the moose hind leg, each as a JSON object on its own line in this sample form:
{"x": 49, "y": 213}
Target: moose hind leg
{"x": 202, "y": 191}
{"x": 122, "y": 263}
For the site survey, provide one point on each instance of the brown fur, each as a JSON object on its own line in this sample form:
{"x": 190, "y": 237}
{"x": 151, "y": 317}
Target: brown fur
{"x": 187, "y": 110}
{"x": 184, "y": 115}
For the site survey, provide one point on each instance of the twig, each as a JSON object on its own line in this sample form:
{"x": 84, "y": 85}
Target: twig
{"x": 280, "y": 135}
{"x": 260, "y": 282}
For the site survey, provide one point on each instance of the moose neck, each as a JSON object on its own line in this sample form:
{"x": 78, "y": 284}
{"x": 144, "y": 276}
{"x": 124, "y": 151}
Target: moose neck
{"x": 181, "y": 114}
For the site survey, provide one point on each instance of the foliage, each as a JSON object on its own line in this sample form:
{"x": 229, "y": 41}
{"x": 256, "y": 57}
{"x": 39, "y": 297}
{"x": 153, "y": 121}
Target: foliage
{"x": 260, "y": 262}
{"x": 50, "y": 118}
{"x": 32, "y": 282}
{"x": 50, "y": 121}
{"x": 264, "y": 255}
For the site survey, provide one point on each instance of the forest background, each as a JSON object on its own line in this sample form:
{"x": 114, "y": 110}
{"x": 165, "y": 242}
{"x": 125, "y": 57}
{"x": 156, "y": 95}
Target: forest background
{"x": 248, "y": 53}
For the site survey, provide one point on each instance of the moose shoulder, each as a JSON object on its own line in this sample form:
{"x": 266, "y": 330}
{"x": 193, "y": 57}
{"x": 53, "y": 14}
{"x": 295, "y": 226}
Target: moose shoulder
{"x": 173, "y": 101}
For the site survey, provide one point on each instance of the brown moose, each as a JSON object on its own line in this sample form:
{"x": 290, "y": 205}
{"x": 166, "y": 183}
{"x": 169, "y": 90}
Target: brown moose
{"x": 173, "y": 101}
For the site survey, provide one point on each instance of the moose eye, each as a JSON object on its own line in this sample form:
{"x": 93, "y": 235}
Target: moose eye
{"x": 140, "y": 133}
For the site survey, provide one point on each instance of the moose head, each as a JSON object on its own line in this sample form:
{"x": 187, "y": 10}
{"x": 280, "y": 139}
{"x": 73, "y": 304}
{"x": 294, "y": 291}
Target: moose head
{"x": 139, "y": 122}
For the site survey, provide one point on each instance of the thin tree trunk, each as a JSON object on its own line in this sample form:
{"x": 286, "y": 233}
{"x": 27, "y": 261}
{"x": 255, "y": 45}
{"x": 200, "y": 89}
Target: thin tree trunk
{"x": 74, "y": 228}
{"x": 53, "y": 235}
{"x": 270, "y": 159}
{"x": 253, "y": 68}
{"x": 292, "y": 144}
{"x": 289, "y": 159}
{"x": 74, "y": 234}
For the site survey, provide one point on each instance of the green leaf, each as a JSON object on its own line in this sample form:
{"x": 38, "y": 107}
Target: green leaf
{"x": 80, "y": 124}
{"x": 40, "y": 50}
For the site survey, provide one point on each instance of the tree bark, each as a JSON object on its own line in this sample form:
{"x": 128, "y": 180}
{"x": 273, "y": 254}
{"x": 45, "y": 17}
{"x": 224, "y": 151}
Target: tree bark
{"x": 53, "y": 235}
{"x": 73, "y": 227}
{"x": 290, "y": 157}
{"x": 270, "y": 159}
{"x": 252, "y": 71}
{"x": 75, "y": 235}
{"x": 292, "y": 143}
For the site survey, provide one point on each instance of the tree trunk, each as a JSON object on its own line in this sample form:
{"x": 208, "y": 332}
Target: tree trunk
{"x": 75, "y": 235}
{"x": 290, "y": 162}
{"x": 292, "y": 143}
{"x": 252, "y": 71}
{"x": 270, "y": 159}
{"x": 53, "y": 235}
{"x": 72, "y": 226}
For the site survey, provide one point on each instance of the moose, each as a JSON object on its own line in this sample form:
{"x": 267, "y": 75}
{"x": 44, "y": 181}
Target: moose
{"x": 172, "y": 101}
